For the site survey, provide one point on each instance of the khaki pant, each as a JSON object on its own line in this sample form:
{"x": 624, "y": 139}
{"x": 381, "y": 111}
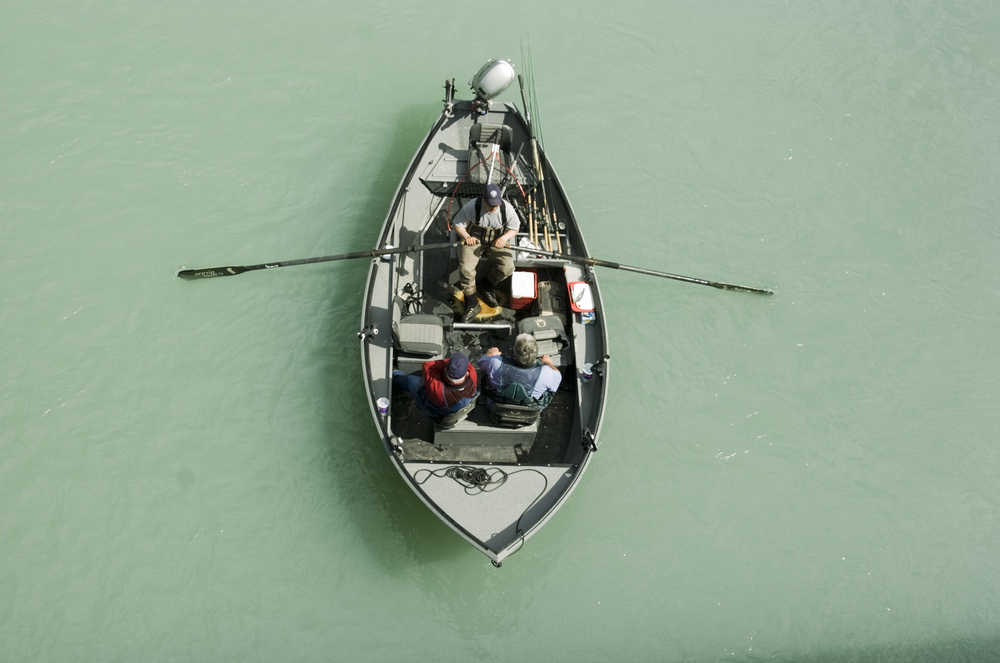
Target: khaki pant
{"x": 499, "y": 265}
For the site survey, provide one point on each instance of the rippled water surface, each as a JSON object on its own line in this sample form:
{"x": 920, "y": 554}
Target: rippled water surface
{"x": 188, "y": 470}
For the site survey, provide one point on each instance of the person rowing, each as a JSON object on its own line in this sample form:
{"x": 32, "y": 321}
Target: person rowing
{"x": 486, "y": 226}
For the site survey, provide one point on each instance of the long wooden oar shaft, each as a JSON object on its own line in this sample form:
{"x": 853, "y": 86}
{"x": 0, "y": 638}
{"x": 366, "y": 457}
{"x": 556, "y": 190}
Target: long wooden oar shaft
{"x": 650, "y": 272}
{"x": 233, "y": 270}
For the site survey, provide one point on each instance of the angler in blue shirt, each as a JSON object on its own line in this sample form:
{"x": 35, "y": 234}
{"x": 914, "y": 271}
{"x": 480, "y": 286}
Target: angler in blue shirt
{"x": 526, "y": 380}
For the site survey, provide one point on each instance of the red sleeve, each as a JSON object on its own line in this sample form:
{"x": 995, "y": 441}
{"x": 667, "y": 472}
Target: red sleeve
{"x": 434, "y": 387}
{"x": 429, "y": 369}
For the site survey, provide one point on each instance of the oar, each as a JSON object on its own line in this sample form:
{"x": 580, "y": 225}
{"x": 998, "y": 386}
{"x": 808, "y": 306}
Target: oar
{"x": 641, "y": 270}
{"x": 233, "y": 270}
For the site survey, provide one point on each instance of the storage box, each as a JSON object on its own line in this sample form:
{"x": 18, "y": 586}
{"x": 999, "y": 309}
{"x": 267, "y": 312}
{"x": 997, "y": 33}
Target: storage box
{"x": 523, "y": 289}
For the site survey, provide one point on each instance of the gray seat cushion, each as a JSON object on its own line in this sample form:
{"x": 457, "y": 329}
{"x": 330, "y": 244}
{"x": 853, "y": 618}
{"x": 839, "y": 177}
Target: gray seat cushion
{"x": 421, "y": 334}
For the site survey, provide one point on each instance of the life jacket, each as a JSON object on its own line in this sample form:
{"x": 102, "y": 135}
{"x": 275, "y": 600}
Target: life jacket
{"x": 515, "y": 385}
{"x": 480, "y": 230}
{"x": 441, "y": 393}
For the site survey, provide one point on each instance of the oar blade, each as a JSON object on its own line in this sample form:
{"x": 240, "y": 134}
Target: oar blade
{"x": 210, "y": 273}
{"x": 742, "y": 288}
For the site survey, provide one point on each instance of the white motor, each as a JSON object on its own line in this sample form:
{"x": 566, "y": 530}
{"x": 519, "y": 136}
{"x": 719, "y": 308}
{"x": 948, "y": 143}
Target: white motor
{"x": 492, "y": 78}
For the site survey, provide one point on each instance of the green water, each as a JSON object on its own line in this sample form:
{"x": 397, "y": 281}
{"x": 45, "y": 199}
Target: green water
{"x": 188, "y": 471}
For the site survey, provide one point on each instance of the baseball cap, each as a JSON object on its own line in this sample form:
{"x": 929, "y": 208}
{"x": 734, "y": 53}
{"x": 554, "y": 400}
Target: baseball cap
{"x": 458, "y": 366}
{"x": 492, "y": 195}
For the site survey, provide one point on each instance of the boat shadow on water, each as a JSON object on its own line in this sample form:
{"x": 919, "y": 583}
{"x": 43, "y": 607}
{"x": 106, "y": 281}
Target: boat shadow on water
{"x": 392, "y": 523}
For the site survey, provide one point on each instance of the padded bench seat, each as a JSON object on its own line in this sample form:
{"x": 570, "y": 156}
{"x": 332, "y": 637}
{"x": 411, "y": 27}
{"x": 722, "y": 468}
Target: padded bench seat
{"x": 414, "y": 365}
{"x": 478, "y": 431}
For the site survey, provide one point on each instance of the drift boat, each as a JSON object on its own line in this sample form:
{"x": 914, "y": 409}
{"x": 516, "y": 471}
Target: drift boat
{"x": 496, "y": 473}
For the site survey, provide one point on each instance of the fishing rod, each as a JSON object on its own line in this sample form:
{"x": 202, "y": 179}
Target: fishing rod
{"x": 532, "y": 232}
{"x": 539, "y": 174}
{"x": 545, "y": 219}
{"x": 581, "y": 260}
{"x": 527, "y": 111}
{"x": 533, "y": 95}
{"x": 551, "y": 228}
{"x": 555, "y": 222}
{"x": 233, "y": 270}
{"x": 532, "y": 229}
{"x": 536, "y": 216}
{"x": 540, "y": 184}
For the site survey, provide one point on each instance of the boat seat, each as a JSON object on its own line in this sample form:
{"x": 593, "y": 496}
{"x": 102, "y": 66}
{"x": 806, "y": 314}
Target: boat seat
{"x": 512, "y": 416}
{"x": 482, "y": 136}
{"x": 479, "y": 430}
{"x": 450, "y": 420}
{"x": 421, "y": 334}
{"x": 486, "y": 132}
{"x": 418, "y": 338}
{"x": 414, "y": 365}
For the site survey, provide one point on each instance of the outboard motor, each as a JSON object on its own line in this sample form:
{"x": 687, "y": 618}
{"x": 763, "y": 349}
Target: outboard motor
{"x": 492, "y": 78}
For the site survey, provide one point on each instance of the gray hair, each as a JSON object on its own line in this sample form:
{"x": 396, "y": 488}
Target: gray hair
{"x": 525, "y": 350}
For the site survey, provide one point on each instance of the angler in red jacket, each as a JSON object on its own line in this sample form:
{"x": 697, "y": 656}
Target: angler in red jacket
{"x": 447, "y": 385}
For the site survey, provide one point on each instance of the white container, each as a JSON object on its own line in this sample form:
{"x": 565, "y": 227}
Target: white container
{"x": 523, "y": 289}
{"x": 383, "y": 405}
{"x": 581, "y": 298}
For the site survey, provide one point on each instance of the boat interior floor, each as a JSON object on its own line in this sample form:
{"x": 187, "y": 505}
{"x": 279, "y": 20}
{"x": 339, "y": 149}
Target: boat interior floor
{"x": 417, "y": 432}
{"x": 546, "y": 443}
